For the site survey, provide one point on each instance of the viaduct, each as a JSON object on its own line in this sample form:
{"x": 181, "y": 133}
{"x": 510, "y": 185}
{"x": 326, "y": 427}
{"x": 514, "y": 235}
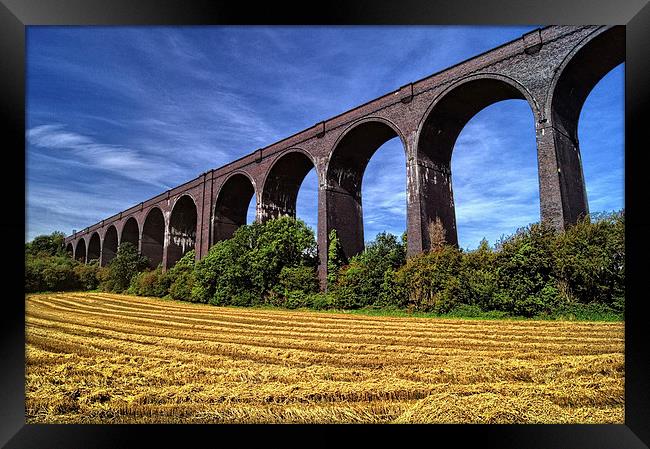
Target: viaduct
{"x": 552, "y": 68}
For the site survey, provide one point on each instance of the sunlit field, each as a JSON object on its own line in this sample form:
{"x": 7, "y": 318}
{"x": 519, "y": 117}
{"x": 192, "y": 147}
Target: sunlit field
{"x": 105, "y": 358}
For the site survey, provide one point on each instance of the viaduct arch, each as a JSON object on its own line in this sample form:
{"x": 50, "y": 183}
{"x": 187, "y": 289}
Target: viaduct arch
{"x": 553, "y": 69}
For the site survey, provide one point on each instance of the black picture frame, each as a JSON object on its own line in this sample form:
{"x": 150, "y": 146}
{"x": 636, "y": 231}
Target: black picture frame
{"x": 15, "y": 15}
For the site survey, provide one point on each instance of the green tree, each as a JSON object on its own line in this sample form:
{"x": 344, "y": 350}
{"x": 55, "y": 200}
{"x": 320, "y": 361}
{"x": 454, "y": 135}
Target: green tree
{"x": 50, "y": 245}
{"x": 359, "y": 284}
{"x": 244, "y": 269}
{"x": 126, "y": 264}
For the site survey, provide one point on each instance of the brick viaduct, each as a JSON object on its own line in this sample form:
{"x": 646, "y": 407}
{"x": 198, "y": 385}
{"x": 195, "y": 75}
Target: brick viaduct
{"x": 552, "y": 68}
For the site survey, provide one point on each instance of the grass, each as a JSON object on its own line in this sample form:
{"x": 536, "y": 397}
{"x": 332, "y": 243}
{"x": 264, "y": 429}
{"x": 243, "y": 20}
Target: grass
{"x": 105, "y": 358}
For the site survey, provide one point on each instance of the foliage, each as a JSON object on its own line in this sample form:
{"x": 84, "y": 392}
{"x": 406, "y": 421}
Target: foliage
{"x": 150, "y": 283}
{"x": 46, "y": 245}
{"x": 359, "y": 283}
{"x": 429, "y": 282}
{"x": 126, "y": 264}
{"x": 87, "y": 275}
{"x": 244, "y": 269}
{"x": 590, "y": 261}
{"x": 335, "y": 258}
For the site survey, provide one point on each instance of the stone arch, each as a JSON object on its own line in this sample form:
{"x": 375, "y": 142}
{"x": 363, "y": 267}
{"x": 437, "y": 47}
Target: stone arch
{"x": 282, "y": 183}
{"x": 80, "y": 250}
{"x": 69, "y": 249}
{"x": 437, "y": 135}
{"x": 94, "y": 247}
{"x": 153, "y": 236}
{"x": 131, "y": 232}
{"x": 344, "y": 174}
{"x": 593, "y": 58}
{"x": 109, "y": 246}
{"x": 231, "y": 205}
{"x": 182, "y": 229}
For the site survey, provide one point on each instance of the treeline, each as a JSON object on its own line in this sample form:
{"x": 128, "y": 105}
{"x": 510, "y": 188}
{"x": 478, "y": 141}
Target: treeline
{"x": 534, "y": 273}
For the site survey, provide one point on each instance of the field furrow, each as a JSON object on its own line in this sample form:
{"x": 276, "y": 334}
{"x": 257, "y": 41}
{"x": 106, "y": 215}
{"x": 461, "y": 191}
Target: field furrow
{"x": 105, "y": 358}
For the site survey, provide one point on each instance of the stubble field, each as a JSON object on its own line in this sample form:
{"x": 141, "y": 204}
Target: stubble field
{"x": 102, "y": 358}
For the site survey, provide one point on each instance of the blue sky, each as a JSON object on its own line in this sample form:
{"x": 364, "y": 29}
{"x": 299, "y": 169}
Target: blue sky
{"x": 117, "y": 115}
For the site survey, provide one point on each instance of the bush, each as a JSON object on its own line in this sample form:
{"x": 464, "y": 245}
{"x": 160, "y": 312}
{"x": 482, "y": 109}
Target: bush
{"x": 87, "y": 275}
{"x": 45, "y": 272}
{"x": 526, "y": 280}
{"x": 590, "y": 261}
{"x": 429, "y": 282}
{"x": 150, "y": 283}
{"x": 126, "y": 264}
{"x": 244, "y": 269}
{"x": 359, "y": 284}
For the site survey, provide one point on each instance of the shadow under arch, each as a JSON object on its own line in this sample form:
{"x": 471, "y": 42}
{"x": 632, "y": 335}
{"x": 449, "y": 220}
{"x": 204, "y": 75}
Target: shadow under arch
{"x": 80, "y": 251}
{"x": 182, "y": 229}
{"x": 69, "y": 249}
{"x": 109, "y": 247}
{"x": 231, "y": 206}
{"x": 344, "y": 175}
{"x": 437, "y": 135}
{"x": 131, "y": 232}
{"x": 94, "y": 247}
{"x": 282, "y": 183}
{"x": 153, "y": 236}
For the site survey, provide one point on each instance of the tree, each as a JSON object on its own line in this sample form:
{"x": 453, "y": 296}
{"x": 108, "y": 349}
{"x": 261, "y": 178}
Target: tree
{"x": 126, "y": 264}
{"x": 50, "y": 245}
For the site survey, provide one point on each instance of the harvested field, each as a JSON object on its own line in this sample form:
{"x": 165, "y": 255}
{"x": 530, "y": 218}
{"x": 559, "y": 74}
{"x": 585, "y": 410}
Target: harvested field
{"x": 103, "y": 358}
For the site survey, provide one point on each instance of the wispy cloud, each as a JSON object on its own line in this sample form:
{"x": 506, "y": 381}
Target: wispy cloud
{"x": 117, "y": 114}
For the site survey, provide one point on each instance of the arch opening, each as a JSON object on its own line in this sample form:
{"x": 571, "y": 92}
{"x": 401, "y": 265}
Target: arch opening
{"x": 495, "y": 176}
{"x": 280, "y": 192}
{"x": 438, "y": 135}
{"x": 69, "y": 249}
{"x": 345, "y": 173}
{"x": 109, "y": 248}
{"x": 94, "y": 248}
{"x": 182, "y": 229}
{"x": 153, "y": 237}
{"x": 231, "y": 207}
{"x": 80, "y": 251}
{"x": 131, "y": 232}
{"x": 601, "y": 129}
{"x": 590, "y": 64}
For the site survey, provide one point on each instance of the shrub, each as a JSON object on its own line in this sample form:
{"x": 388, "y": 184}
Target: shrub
{"x": 87, "y": 275}
{"x": 360, "y": 282}
{"x": 126, "y": 264}
{"x": 428, "y": 282}
{"x": 525, "y": 272}
{"x": 150, "y": 283}
{"x": 244, "y": 269}
{"x": 590, "y": 261}
{"x": 181, "y": 287}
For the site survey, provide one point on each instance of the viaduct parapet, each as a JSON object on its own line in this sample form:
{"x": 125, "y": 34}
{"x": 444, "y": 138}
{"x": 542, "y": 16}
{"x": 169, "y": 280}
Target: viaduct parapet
{"x": 553, "y": 69}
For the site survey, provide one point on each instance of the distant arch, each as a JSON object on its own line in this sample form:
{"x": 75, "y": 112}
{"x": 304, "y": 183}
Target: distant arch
{"x": 94, "y": 247}
{"x": 69, "y": 249}
{"x": 282, "y": 183}
{"x": 182, "y": 229}
{"x": 231, "y": 206}
{"x": 153, "y": 236}
{"x": 80, "y": 251}
{"x": 109, "y": 246}
{"x": 131, "y": 232}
